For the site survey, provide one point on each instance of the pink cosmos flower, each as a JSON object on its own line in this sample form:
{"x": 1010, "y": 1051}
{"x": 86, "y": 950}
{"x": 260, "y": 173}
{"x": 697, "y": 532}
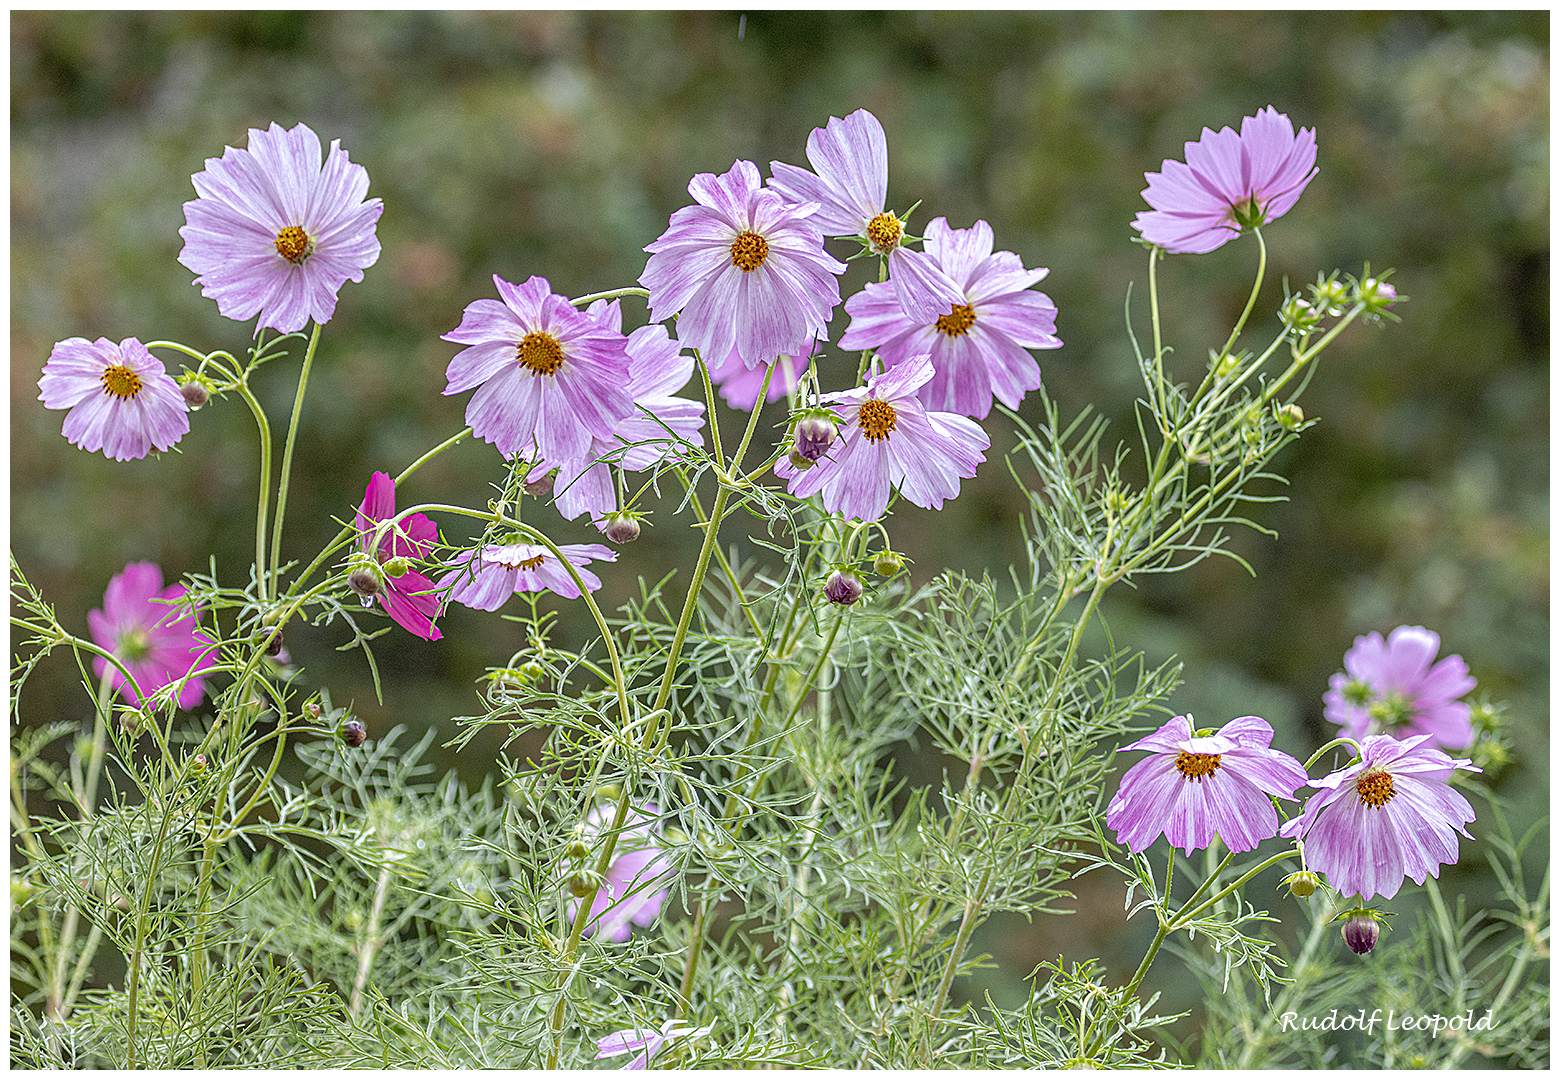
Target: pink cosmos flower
{"x": 635, "y": 886}
{"x": 408, "y": 599}
{"x": 1228, "y": 183}
{"x": 121, "y": 399}
{"x": 742, "y": 269}
{"x": 1392, "y": 686}
{"x": 1192, "y": 787}
{"x": 1390, "y": 815}
{"x": 739, "y": 384}
{"x": 850, "y": 160}
{"x": 548, "y": 375}
{"x": 979, "y": 349}
{"x": 275, "y": 233}
{"x": 486, "y": 577}
{"x": 648, "y": 1042}
{"x": 889, "y": 439}
{"x": 153, "y": 634}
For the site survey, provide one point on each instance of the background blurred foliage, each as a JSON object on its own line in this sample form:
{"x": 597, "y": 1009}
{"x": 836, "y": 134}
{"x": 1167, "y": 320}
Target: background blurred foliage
{"x": 557, "y": 143}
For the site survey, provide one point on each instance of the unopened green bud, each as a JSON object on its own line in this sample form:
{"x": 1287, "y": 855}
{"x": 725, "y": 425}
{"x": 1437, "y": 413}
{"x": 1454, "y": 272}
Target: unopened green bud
{"x": 578, "y": 850}
{"x": 399, "y": 566}
{"x": 1289, "y": 417}
{"x": 888, "y": 563}
{"x": 1298, "y": 315}
{"x": 1301, "y": 883}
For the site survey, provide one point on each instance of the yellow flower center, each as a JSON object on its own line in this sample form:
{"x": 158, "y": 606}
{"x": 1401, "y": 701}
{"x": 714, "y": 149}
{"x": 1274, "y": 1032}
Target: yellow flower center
{"x": 540, "y": 353}
{"x": 883, "y": 233}
{"x": 293, "y": 244}
{"x": 120, "y": 381}
{"x": 1196, "y": 767}
{"x": 1375, "y": 789}
{"x": 749, "y": 251}
{"x": 877, "y": 419}
{"x": 956, "y": 322}
{"x": 134, "y": 645}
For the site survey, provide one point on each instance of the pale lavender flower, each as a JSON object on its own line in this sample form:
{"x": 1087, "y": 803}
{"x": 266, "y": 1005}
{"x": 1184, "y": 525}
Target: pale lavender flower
{"x": 636, "y": 884}
{"x": 1390, "y": 815}
{"x": 486, "y": 577}
{"x": 1394, "y": 686}
{"x": 742, "y": 269}
{"x": 739, "y": 384}
{"x": 122, "y": 400}
{"x": 276, "y": 232}
{"x": 1192, "y": 787}
{"x": 849, "y": 183}
{"x": 889, "y": 439}
{"x": 547, "y": 375}
{"x": 1228, "y": 183}
{"x": 980, "y": 348}
{"x": 153, "y": 632}
{"x": 645, "y": 1043}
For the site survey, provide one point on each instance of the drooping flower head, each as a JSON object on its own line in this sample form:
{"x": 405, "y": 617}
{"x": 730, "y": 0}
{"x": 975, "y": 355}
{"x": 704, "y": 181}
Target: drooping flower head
{"x": 276, "y": 232}
{"x": 980, "y": 348}
{"x": 122, "y": 400}
{"x": 889, "y": 439}
{"x": 742, "y": 269}
{"x": 1390, "y": 815}
{"x": 407, "y": 598}
{"x": 1192, "y": 787}
{"x": 488, "y": 576}
{"x": 1228, "y": 183}
{"x": 1397, "y": 687}
{"x": 153, "y": 631}
{"x": 549, "y": 378}
{"x": 636, "y": 883}
{"x": 849, "y": 183}
{"x": 645, "y": 1042}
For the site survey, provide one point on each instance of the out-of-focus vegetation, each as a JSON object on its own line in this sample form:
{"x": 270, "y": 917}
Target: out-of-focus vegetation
{"x": 557, "y": 143}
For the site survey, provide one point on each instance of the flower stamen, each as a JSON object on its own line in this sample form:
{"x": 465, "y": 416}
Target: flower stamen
{"x": 883, "y": 233}
{"x": 1375, "y": 789}
{"x": 540, "y": 353}
{"x": 749, "y": 250}
{"x": 876, "y": 419}
{"x": 293, "y": 244}
{"x": 120, "y": 381}
{"x": 1196, "y": 767}
{"x": 957, "y": 322}
{"x": 533, "y": 563}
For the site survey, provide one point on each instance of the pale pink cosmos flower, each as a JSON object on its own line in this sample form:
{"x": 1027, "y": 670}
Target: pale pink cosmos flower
{"x": 980, "y": 348}
{"x": 1228, "y": 183}
{"x": 742, "y": 269}
{"x": 549, "y": 378}
{"x": 486, "y": 577}
{"x": 645, "y": 1042}
{"x": 1390, "y": 815}
{"x": 849, "y": 183}
{"x": 1397, "y": 687}
{"x": 1193, "y": 787}
{"x": 637, "y": 882}
{"x": 276, "y": 232}
{"x": 739, "y": 384}
{"x": 408, "y": 599}
{"x": 122, "y": 400}
{"x": 888, "y": 440}
{"x": 154, "y": 632}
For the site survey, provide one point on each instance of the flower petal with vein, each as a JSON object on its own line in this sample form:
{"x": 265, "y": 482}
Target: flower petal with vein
{"x": 487, "y": 577}
{"x": 122, "y": 400}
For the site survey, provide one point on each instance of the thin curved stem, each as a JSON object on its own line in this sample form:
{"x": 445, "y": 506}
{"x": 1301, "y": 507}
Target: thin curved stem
{"x": 287, "y": 454}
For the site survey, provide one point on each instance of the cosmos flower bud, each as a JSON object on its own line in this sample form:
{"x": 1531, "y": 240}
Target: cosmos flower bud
{"x": 888, "y": 563}
{"x": 1298, "y": 315}
{"x": 198, "y": 765}
{"x": 1290, "y": 418}
{"x": 399, "y": 566}
{"x": 1361, "y": 932}
{"x": 194, "y": 394}
{"x": 1376, "y": 295}
{"x": 621, "y": 528}
{"x": 1301, "y": 883}
{"x": 353, "y": 732}
{"x": 312, "y": 710}
{"x": 798, "y": 461}
{"x": 815, "y": 433}
{"x": 843, "y": 587}
{"x": 274, "y": 646}
{"x": 1329, "y": 295}
{"x": 540, "y": 484}
{"x": 366, "y": 581}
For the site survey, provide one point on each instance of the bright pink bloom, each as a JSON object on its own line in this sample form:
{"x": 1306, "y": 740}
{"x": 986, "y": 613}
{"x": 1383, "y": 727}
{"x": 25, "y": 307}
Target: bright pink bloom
{"x": 407, "y": 599}
{"x": 154, "y": 634}
{"x": 979, "y": 349}
{"x": 889, "y": 439}
{"x": 1390, "y": 815}
{"x": 1192, "y": 787}
{"x": 549, "y": 378}
{"x": 1395, "y": 686}
{"x": 742, "y": 269}
{"x": 1228, "y": 183}
{"x": 637, "y": 884}
{"x": 487, "y": 577}
{"x": 121, "y": 398}
{"x": 275, "y": 233}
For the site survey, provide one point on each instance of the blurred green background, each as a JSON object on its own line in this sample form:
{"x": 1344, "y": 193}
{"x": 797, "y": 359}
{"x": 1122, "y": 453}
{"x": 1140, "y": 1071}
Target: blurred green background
{"x": 557, "y": 143}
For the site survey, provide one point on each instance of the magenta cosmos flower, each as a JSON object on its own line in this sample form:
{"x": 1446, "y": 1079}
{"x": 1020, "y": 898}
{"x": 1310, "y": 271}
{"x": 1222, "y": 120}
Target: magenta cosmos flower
{"x": 645, "y": 1043}
{"x": 1228, "y": 183}
{"x": 408, "y": 597}
{"x": 1395, "y": 686}
{"x": 549, "y": 378}
{"x": 486, "y": 577}
{"x": 276, "y": 232}
{"x": 121, "y": 399}
{"x": 153, "y": 632}
{"x": 1192, "y": 787}
{"x": 849, "y": 183}
{"x": 635, "y": 886}
{"x": 1390, "y": 815}
{"x": 889, "y": 439}
{"x": 980, "y": 348}
{"x": 742, "y": 269}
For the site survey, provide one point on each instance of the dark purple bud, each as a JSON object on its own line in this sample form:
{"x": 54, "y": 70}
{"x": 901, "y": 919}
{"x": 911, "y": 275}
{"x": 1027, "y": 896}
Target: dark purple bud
{"x": 621, "y": 528}
{"x": 367, "y": 583}
{"x": 353, "y": 733}
{"x": 274, "y": 648}
{"x": 814, "y": 435}
{"x": 194, "y": 394}
{"x": 843, "y": 587}
{"x": 541, "y": 483}
{"x": 1361, "y": 932}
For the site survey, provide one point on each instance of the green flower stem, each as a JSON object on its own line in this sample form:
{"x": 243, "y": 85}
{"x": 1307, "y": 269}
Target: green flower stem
{"x": 287, "y": 454}
{"x": 148, "y": 885}
{"x": 611, "y": 294}
{"x": 1341, "y": 741}
{"x": 961, "y": 942}
{"x": 1256, "y": 1041}
{"x": 262, "y": 509}
{"x": 372, "y": 943}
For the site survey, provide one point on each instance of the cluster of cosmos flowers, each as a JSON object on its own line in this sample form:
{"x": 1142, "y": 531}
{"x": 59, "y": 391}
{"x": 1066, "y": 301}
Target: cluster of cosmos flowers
{"x": 742, "y": 282}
